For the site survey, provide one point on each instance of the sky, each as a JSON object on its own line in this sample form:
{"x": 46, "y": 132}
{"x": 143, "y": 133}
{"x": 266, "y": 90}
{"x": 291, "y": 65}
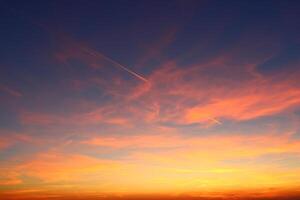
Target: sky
{"x": 150, "y": 99}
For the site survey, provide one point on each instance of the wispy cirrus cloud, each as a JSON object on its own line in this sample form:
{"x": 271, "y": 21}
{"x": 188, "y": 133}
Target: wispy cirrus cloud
{"x": 193, "y": 95}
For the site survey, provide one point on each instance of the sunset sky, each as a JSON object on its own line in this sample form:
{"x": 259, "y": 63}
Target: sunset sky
{"x": 149, "y": 99}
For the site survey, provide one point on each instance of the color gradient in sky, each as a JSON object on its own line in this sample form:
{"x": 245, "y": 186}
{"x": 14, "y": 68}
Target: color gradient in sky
{"x": 150, "y": 99}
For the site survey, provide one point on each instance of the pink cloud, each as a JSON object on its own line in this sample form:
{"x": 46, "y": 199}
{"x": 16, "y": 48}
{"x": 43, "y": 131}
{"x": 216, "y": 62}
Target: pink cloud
{"x": 192, "y": 95}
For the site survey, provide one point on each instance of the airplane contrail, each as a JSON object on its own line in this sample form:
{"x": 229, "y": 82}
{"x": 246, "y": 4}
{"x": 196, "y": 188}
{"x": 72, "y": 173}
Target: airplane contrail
{"x": 215, "y": 120}
{"x": 10, "y": 91}
{"x": 95, "y": 53}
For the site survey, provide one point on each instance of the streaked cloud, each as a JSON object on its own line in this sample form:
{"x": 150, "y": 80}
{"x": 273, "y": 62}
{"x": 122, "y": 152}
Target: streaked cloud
{"x": 10, "y": 91}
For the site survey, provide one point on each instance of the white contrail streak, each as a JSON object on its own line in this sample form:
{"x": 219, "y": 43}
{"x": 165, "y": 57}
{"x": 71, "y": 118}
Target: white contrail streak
{"x": 97, "y": 54}
{"x": 215, "y": 120}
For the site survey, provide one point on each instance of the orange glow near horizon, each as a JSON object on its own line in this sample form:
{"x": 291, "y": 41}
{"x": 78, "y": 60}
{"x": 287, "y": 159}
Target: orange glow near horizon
{"x": 192, "y": 163}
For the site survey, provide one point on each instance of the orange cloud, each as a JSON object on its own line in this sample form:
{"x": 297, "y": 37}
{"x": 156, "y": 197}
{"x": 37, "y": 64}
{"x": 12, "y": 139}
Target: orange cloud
{"x": 52, "y": 166}
{"x": 257, "y": 102}
{"x": 192, "y": 95}
{"x": 97, "y": 116}
{"x": 233, "y": 145}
